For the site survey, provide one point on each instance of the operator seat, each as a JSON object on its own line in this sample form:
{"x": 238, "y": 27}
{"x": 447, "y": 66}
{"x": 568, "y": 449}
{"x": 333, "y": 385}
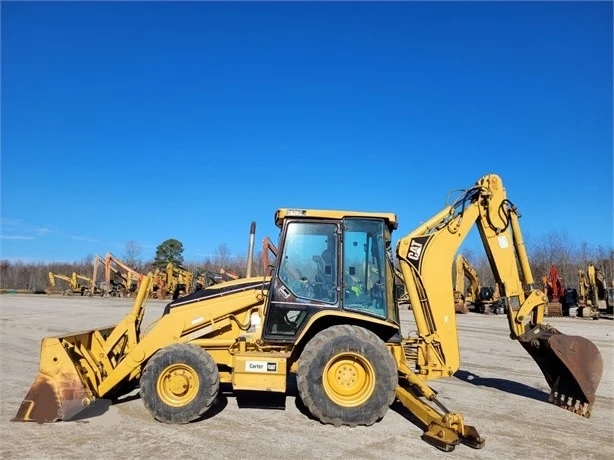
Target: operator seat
{"x": 325, "y": 276}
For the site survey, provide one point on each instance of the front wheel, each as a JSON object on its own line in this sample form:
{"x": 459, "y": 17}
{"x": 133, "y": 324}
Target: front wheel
{"x": 179, "y": 383}
{"x": 347, "y": 376}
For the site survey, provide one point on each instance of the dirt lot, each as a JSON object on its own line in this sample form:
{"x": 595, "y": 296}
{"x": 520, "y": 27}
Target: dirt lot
{"x": 499, "y": 389}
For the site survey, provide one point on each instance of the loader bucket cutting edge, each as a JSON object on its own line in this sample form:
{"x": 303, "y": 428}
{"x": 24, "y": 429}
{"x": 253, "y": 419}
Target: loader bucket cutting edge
{"x": 572, "y": 366}
{"x": 58, "y": 392}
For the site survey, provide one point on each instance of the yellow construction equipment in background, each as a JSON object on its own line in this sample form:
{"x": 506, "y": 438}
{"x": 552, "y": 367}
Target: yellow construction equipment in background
{"x": 120, "y": 279}
{"x": 344, "y": 345}
{"x": 462, "y": 298}
{"x": 173, "y": 281}
{"x": 481, "y": 299}
{"x": 74, "y": 287}
{"x": 593, "y": 293}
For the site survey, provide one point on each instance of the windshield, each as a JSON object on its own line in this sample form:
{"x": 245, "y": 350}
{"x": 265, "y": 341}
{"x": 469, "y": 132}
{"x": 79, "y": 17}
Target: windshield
{"x": 309, "y": 260}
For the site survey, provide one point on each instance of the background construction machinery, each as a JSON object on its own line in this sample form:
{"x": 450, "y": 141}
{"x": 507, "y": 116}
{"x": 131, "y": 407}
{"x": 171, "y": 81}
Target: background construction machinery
{"x": 555, "y": 290}
{"x": 477, "y": 298}
{"x": 74, "y": 284}
{"x": 595, "y": 297}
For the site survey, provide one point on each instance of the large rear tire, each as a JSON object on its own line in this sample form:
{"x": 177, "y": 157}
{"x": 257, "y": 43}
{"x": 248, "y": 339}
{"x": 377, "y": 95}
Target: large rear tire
{"x": 347, "y": 376}
{"x": 179, "y": 383}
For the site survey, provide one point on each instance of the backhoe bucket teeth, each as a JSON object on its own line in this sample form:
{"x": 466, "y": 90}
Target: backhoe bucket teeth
{"x": 572, "y": 366}
{"x": 58, "y": 393}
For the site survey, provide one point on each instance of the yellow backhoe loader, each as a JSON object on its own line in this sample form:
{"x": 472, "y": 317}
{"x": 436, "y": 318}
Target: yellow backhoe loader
{"x": 120, "y": 279}
{"x": 74, "y": 287}
{"x": 174, "y": 281}
{"x": 462, "y": 298}
{"x": 345, "y": 346}
{"x": 593, "y": 295}
{"x": 481, "y": 299}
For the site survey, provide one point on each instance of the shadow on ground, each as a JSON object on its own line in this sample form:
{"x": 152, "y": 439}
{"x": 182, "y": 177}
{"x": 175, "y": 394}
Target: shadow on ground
{"x": 507, "y": 386}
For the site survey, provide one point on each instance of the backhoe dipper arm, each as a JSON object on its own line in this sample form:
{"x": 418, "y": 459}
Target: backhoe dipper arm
{"x": 424, "y": 255}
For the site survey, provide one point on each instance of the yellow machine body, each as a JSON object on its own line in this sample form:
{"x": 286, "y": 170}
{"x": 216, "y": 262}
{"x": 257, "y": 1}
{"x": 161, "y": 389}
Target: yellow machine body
{"x": 327, "y": 313}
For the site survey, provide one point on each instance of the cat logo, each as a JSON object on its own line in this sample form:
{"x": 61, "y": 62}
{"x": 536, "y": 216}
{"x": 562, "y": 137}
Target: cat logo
{"x": 415, "y": 250}
{"x": 271, "y": 367}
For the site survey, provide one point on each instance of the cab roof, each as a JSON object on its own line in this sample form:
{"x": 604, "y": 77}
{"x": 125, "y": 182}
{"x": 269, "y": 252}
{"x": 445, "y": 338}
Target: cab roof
{"x": 285, "y": 213}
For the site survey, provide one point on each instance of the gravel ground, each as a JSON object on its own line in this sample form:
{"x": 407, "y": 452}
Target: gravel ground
{"x": 499, "y": 389}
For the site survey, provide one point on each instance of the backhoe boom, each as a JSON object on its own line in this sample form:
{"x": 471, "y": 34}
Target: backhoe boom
{"x": 422, "y": 253}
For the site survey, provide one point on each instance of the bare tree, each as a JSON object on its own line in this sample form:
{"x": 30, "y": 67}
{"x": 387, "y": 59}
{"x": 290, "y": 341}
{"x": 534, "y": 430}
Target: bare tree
{"x": 222, "y": 256}
{"x": 132, "y": 254}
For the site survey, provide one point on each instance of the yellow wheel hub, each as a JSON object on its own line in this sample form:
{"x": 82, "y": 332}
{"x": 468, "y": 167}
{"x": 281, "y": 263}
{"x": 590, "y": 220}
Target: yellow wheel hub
{"x": 349, "y": 379}
{"x": 177, "y": 385}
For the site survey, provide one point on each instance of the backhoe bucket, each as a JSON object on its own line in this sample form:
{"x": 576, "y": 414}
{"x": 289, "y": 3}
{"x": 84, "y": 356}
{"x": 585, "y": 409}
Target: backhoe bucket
{"x": 572, "y": 366}
{"x": 59, "y": 391}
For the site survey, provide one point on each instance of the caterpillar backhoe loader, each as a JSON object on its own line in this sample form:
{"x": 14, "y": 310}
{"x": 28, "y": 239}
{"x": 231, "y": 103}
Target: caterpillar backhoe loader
{"x": 345, "y": 346}
{"x": 74, "y": 287}
{"x": 461, "y": 297}
{"x": 173, "y": 280}
{"x": 129, "y": 279}
{"x": 593, "y": 293}
{"x": 481, "y": 299}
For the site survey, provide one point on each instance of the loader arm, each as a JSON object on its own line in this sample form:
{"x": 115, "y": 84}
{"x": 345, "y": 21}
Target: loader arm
{"x": 76, "y": 369}
{"x": 571, "y": 365}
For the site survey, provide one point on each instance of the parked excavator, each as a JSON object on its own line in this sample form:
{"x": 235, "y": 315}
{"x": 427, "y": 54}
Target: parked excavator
{"x": 463, "y": 299}
{"x": 120, "y": 279}
{"x": 346, "y": 349}
{"x": 555, "y": 291}
{"x": 593, "y": 295}
{"x": 480, "y": 299}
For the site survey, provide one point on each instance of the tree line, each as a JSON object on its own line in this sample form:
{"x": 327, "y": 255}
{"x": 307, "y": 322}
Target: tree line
{"x": 33, "y": 276}
{"x": 554, "y": 248}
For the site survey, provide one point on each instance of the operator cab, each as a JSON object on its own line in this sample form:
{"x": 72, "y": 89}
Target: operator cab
{"x": 330, "y": 260}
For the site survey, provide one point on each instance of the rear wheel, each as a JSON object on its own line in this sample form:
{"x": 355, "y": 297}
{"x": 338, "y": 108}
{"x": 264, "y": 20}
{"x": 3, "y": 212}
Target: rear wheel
{"x": 347, "y": 376}
{"x": 179, "y": 383}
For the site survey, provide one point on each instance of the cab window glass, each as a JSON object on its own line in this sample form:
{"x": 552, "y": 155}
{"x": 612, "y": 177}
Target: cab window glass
{"x": 365, "y": 266}
{"x": 308, "y": 265}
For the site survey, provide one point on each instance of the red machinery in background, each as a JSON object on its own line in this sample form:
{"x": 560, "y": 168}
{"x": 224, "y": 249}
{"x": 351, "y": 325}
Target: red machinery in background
{"x": 555, "y": 290}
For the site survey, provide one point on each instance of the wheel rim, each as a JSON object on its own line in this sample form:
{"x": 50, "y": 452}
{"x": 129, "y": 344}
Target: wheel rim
{"x": 178, "y": 385}
{"x": 349, "y": 379}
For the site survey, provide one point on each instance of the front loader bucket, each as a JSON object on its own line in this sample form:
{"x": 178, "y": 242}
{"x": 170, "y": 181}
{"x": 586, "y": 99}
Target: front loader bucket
{"x": 58, "y": 392}
{"x": 572, "y": 366}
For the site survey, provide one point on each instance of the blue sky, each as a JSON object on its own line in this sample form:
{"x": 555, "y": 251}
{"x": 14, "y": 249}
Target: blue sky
{"x": 147, "y": 121}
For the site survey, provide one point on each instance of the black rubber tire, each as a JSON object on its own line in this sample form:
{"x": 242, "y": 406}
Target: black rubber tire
{"x": 209, "y": 383}
{"x": 312, "y": 362}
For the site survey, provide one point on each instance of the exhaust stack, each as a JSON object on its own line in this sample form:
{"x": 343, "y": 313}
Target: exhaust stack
{"x": 250, "y": 251}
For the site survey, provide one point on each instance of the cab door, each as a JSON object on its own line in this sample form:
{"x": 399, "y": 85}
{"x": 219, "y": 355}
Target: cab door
{"x": 305, "y": 278}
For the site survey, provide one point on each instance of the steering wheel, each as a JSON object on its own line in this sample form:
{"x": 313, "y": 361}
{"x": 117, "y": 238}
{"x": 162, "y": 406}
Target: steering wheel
{"x": 290, "y": 319}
